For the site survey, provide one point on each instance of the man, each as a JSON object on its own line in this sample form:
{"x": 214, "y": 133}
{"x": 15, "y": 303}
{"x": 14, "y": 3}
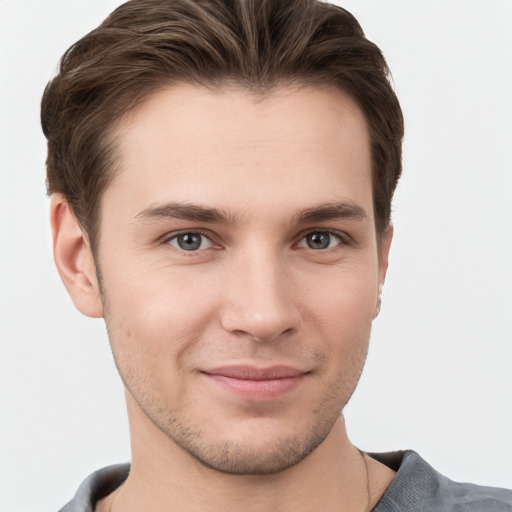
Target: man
{"x": 221, "y": 177}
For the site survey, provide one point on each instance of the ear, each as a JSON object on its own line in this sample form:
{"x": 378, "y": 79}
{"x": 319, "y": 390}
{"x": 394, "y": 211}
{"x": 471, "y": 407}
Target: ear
{"x": 74, "y": 259}
{"x": 385, "y": 245}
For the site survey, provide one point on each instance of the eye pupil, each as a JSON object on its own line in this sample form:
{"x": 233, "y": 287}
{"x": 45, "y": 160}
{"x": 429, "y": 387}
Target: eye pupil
{"x": 318, "y": 240}
{"x": 189, "y": 241}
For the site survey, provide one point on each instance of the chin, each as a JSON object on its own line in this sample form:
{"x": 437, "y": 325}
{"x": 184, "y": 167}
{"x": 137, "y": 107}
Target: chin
{"x": 244, "y": 458}
{"x": 263, "y": 448}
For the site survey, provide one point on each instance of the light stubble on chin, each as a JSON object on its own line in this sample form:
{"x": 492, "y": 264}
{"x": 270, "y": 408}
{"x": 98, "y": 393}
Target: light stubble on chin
{"x": 239, "y": 458}
{"x": 242, "y": 457}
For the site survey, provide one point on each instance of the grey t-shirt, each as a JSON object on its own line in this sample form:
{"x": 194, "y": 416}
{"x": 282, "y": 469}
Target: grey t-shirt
{"x": 417, "y": 487}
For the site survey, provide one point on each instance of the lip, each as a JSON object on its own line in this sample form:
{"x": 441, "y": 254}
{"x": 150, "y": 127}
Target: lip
{"x": 254, "y": 383}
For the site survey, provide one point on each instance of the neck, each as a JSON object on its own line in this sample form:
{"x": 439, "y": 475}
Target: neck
{"x": 334, "y": 477}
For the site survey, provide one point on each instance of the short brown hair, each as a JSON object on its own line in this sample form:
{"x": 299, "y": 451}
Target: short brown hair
{"x": 145, "y": 45}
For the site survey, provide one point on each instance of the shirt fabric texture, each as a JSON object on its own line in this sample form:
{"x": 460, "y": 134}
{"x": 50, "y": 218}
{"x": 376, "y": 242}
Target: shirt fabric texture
{"x": 417, "y": 487}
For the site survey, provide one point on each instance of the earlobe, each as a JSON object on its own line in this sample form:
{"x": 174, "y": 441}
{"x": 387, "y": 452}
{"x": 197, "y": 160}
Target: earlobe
{"x": 74, "y": 259}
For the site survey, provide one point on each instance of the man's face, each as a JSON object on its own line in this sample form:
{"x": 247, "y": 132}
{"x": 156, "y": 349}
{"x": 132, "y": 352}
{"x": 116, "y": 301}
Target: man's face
{"x": 240, "y": 269}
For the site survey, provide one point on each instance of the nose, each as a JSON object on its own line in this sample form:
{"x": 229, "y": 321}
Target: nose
{"x": 261, "y": 299}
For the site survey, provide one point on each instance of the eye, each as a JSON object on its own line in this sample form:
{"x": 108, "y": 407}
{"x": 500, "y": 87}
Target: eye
{"x": 190, "y": 241}
{"x": 320, "y": 240}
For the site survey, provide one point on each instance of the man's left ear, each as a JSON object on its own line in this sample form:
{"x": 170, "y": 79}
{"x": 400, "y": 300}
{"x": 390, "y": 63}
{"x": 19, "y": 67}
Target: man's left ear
{"x": 385, "y": 244}
{"x": 74, "y": 259}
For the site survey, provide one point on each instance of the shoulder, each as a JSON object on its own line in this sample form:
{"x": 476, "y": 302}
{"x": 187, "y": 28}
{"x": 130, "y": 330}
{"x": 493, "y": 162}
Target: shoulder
{"x": 419, "y": 487}
{"x": 97, "y": 486}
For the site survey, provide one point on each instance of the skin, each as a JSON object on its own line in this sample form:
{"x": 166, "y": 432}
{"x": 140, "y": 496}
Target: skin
{"x": 256, "y": 184}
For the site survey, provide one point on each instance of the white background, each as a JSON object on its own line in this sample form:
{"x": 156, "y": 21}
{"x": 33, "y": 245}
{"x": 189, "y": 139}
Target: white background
{"x": 438, "y": 377}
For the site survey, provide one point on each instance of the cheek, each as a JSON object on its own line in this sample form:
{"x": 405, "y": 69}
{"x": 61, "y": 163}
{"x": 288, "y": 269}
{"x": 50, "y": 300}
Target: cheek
{"x": 156, "y": 315}
{"x": 344, "y": 301}
{"x": 341, "y": 315}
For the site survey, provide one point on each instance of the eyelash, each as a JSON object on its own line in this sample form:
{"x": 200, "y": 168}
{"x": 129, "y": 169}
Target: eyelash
{"x": 174, "y": 236}
{"x": 343, "y": 239}
{"x": 340, "y": 239}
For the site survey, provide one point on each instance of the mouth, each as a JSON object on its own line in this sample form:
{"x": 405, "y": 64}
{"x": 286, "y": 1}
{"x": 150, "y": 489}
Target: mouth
{"x": 256, "y": 383}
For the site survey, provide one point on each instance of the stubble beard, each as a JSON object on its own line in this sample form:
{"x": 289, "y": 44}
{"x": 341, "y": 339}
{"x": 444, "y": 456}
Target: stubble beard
{"x": 244, "y": 456}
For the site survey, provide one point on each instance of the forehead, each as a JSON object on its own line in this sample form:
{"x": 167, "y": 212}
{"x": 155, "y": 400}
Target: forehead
{"x": 226, "y": 148}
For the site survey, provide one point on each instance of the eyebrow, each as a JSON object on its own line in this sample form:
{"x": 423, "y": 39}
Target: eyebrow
{"x": 331, "y": 211}
{"x": 185, "y": 211}
{"x": 193, "y": 212}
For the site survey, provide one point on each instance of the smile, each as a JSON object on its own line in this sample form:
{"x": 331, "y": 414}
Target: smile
{"x": 254, "y": 383}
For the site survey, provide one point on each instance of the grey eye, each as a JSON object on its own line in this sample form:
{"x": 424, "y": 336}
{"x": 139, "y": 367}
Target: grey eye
{"x": 190, "y": 241}
{"x": 320, "y": 240}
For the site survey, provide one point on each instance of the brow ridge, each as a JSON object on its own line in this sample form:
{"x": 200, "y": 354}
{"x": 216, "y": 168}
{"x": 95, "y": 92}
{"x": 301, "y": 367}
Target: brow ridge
{"x": 331, "y": 211}
{"x": 186, "y": 211}
{"x": 197, "y": 213}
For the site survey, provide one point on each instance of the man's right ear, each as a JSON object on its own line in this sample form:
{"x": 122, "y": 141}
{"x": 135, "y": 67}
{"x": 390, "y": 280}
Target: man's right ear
{"x": 73, "y": 258}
